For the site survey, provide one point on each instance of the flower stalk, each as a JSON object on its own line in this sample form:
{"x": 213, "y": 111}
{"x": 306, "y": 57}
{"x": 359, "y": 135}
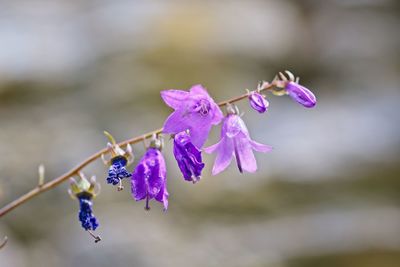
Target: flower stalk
{"x": 45, "y": 186}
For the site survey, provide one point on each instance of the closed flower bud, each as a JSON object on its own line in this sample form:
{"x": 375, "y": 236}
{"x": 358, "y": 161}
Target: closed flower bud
{"x": 300, "y": 94}
{"x": 258, "y": 102}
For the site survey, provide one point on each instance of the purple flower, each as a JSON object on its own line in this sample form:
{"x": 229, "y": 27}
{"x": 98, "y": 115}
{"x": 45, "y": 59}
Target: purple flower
{"x": 258, "y": 102}
{"x": 149, "y": 180}
{"x": 235, "y": 142}
{"x": 188, "y": 157}
{"x": 195, "y": 111}
{"x": 300, "y": 94}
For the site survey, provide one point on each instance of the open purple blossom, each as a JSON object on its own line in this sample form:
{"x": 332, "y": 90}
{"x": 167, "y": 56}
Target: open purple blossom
{"x": 188, "y": 157}
{"x": 149, "y": 180}
{"x": 235, "y": 142}
{"x": 300, "y": 94}
{"x": 258, "y": 102}
{"x": 195, "y": 111}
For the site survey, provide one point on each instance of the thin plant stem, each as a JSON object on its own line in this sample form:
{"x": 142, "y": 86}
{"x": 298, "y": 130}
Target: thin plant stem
{"x": 74, "y": 171}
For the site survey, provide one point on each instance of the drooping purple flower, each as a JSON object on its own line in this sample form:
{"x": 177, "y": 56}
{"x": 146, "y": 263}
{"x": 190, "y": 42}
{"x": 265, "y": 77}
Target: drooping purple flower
{"x": 149, "y": 180}
{"x": 258, "y": 102}
{"x": 188, "y": 157}
{"x": 235, "y": 142}
{"x": 300, "y": 94}
{"x": 195, "y": 111}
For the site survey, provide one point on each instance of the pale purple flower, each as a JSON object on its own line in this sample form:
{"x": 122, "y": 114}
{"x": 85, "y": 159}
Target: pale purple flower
{"x": 195, "y": 111}
{"x": 301, "y": 95}
{"x": 149, "y": 180}
{"x": 188, "y": 157}
{"x": 235, "y": 142}
{"x": 258, "y": 102}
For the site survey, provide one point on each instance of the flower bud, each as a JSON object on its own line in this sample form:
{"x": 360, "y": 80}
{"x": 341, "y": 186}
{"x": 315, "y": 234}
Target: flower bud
{"x": 258, "y": 102}
{"x": 301, "y": 95}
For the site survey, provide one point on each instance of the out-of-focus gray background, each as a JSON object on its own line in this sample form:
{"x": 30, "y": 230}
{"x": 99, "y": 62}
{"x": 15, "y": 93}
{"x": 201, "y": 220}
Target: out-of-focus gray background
{"x": 328, "y": 195}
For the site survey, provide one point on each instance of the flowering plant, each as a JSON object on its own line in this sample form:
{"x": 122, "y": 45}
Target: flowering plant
{"x": 195, "y": 113}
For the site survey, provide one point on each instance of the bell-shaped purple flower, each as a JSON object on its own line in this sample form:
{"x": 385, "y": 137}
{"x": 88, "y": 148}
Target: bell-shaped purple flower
{"x": 235, "y": 142}
{"x": 149, "y": 180}
{"x": 188, "y": 157}
{"x": 300, "y": 94}
{"x": 258, "y": 102}
{"x": 195, "y": 111}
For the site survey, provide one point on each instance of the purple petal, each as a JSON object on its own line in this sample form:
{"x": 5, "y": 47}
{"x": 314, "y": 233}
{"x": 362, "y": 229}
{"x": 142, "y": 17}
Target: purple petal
{"x": 138, "y": 183}
{"x": 260, "y": 147}
{"x": 175, "y": 123}
{"x": 155, "y": 161}
{"x": 233, "y": 125}
{"x": 198, "y": 89}
{"x": 163, "y": 196}
{"x": 218, "y": 115}
{"x": 245, "y": 154}
{"x": 211, "y": 149}
{"x": 224, "y": 155}
{"x": 199, "y": 134}
{"x": 174, "y": 98}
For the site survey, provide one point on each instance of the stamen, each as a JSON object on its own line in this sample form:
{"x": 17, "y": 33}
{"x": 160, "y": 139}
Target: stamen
{"x": 97, "y": 238}
{"x": 147, "y": 207}
{"x": 120, "y": 186}
{"x": 238, "y": 162}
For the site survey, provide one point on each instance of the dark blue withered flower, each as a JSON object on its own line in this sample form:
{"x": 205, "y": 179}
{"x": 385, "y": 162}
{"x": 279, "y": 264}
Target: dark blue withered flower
{"x": 86, "y": 217}
{"x": 85, "y": 192}
{"x": 120, "y": 159}
{"x": 188, "y": 157}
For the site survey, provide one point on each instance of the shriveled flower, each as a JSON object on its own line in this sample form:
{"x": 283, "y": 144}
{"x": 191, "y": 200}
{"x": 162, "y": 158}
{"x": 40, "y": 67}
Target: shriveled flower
{"x": 300, "y": 94}
{"x": 117, "y": 170}
{"x": 195, "y": 111}
{"x": 149, "y": 180}
{"x": 258, "y": 102}
{"x": 84, "y": 191}
{"x": 120, "y": 159}
{"x": 88, "y": 221}
{"x": 188, "y": 157}
{"x": 235, "y": 142}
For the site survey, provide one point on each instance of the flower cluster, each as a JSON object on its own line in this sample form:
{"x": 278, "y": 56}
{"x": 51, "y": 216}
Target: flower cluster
{"x": 194, "y": 114}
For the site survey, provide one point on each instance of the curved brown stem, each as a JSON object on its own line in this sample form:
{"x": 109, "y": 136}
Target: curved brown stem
{"x": 74, "y": 171}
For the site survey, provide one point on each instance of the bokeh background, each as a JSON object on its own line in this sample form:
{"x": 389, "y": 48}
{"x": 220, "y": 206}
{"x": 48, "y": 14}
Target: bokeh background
{"x": 329, "y": 193}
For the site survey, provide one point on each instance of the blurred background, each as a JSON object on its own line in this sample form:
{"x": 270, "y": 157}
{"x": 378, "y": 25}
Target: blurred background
{"x": 328, "y": 194}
